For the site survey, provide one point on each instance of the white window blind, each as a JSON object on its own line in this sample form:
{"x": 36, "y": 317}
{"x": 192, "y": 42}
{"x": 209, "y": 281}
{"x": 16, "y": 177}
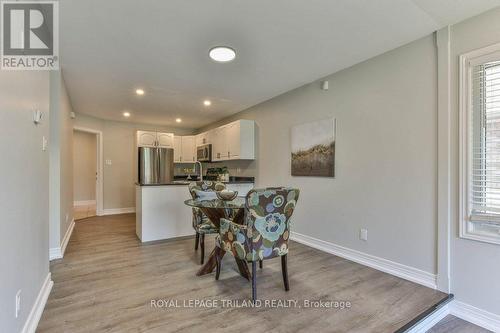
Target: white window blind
{"x": 484, "y": 177}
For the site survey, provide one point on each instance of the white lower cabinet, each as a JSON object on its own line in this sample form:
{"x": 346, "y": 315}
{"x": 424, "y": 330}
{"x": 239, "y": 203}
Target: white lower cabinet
{"x": 161, "y": 212}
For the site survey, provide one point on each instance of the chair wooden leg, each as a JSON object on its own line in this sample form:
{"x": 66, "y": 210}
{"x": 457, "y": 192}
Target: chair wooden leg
{"x": 254, "y": 281}
{"x": 196, "y": 241}
{"x": 284, "y": 270}
{"x": 260, "y": 264}
{"x": 202, "y": 245}
{"x": 219, "y": 263}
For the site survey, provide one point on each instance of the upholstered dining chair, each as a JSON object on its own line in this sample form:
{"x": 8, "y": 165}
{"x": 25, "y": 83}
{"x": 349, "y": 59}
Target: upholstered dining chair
{"x": 201, "y": 223}
{"x": 264, "y": 233}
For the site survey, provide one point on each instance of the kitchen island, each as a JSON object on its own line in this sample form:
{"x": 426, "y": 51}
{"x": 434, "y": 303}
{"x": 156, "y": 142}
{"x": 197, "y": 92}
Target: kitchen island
{"x": 161, "y": 212}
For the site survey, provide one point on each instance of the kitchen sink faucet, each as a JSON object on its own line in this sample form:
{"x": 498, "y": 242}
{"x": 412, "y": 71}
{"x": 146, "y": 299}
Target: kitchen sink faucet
{"x": 201, "y": 170}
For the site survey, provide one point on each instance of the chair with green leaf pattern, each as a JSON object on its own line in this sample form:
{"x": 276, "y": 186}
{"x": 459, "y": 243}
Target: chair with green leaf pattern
{"x": 201, "y": 223}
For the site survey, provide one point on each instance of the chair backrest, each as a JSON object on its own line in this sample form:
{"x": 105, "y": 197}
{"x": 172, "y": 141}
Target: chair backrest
{"x": 267, "y": 215}
{"x": 205, "y": 186}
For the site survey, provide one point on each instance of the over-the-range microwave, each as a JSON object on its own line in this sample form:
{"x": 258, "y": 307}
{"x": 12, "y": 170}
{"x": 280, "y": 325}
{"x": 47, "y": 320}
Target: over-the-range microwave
{"x": 204, "y": 153}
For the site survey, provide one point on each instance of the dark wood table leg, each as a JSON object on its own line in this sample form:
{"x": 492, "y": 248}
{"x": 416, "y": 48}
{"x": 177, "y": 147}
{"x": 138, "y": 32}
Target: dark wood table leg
{"x": 215, "y": 215}
{"x": 211, "y": 263}
{"x": 243, "y": 268}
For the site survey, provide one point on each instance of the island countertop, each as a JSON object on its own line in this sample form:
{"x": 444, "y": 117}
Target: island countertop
{"x": 184, "y": 181}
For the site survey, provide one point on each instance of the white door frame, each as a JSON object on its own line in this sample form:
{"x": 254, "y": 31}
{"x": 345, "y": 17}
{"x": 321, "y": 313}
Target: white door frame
{"x": 99, "y": 184}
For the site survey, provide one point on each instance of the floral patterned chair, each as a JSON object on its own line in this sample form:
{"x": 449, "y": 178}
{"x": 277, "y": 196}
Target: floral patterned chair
{"x": 264, "y": 233}
{"x": 201, "y": 224}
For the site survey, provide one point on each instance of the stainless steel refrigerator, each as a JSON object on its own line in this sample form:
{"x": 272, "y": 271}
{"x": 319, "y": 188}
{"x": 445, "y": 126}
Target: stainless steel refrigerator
{"x": 156, "y": 165}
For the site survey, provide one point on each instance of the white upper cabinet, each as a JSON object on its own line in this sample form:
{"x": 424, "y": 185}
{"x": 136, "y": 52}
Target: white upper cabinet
{"x": 233, "y": 138}
{"x": 234, "y": 141}
{"x": 177, "y": 149}
{"x": 184, "y": 149}
{"x": 219, "y": 144}
{"x": 155, "y": 139}
{"x": 146, "y": 139}
{"x": 203, "y": 139}
{"x": 188, "y": 149}
{"x": 165, "y": 140}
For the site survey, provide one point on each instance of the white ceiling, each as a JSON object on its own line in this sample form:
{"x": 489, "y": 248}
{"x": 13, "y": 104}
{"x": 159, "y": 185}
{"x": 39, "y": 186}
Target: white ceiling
{"x": 109, "y": 48}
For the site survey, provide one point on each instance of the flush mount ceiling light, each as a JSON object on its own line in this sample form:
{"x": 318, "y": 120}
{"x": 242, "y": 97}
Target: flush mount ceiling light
{"x": 139, "y": 92}
{"x": 126, "y": 114}
{"x": 222, "y": 54}
{"x": 178, "y": 120}
{"x": 207, "y": 102}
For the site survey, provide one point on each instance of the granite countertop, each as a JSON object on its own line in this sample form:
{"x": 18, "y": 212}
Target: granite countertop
{"x": 174, "y": 183}
{"x": 232, "y": 179}
{"x": 180, "y": 181}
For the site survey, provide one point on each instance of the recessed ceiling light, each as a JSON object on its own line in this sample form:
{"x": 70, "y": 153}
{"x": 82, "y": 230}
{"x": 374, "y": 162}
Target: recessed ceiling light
{"x": 126, "y": 114}
{"x": 207, "y": 102}
{"x": 222, "y": 53}
{"x": 178, "y": 120}
{"x": 139, "y": 92}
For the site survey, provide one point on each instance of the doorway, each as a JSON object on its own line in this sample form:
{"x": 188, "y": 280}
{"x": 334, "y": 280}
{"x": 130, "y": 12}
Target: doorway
{"x": 87, "y": 173}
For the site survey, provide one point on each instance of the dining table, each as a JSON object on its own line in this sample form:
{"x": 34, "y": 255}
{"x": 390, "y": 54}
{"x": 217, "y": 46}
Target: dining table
{"x": 215, "y": 209}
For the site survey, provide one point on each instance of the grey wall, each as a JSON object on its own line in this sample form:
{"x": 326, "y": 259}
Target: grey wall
{"x": 24, "y": 195}
{"x": 475, "y": 269}
{"x": 61, "y": 160}
{"x": 386, "y": 155}
{"x": 84, "y": 166}
{"x": 119, "y": 147}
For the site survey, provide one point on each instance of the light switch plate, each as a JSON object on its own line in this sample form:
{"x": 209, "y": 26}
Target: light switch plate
{"x": 109, "y": 162}
{"x": 44, "y": 143}
{"x": 363, "y": 234}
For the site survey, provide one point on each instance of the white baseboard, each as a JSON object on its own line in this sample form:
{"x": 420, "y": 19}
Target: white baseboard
{"x": 431, "y": 320}
{"x": 115, "y": 211}
{"x": 58, "y": 252}
{"x": 55, "y": 253}
{"x": 482, "y": 318}
{"x": 406, "y": 272}
{"x": 36, "y": 311}
{"x": 67, "y": 236}
{"x": 84, "y": 203}
{"x": 485, "y": 319}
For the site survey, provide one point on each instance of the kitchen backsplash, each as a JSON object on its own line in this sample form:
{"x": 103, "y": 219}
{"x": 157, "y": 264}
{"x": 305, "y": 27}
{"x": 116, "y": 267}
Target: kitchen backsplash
{"x": 240, "y": 168}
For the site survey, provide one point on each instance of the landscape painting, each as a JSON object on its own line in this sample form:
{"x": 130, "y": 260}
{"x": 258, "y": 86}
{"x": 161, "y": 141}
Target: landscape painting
{"x": 313, "y": 149}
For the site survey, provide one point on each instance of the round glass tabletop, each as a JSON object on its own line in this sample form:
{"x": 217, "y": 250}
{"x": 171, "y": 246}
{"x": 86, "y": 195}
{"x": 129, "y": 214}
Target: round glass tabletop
{"x": 237, "y": 203}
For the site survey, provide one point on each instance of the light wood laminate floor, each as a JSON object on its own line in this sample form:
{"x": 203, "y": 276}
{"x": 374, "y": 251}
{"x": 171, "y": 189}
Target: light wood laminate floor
{"x": 81, "y": 212}
{"x": 107, "y": 279}
{"x": 452, "y": 324}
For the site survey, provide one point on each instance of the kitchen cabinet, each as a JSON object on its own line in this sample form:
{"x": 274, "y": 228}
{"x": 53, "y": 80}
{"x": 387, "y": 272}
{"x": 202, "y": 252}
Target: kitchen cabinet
{"x": 155, "y": 139}
{"x": 177, "y": 149}
{"x": 146, "y": 139}
{"x": 188, "y": 149}
{"x": 165, "y": 140}
{"x": 203, "y": 139}
{"x": 219, "y": 144}
{"x": 184, "y": 149}
{"x": 234, "y": 141}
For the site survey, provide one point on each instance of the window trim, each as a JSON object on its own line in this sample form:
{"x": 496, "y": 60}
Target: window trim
{"x": 467, "y": 228}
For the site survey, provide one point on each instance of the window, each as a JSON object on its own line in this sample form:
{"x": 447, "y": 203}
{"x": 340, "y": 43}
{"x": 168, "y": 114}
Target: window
{"x": 480, "y": 145}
